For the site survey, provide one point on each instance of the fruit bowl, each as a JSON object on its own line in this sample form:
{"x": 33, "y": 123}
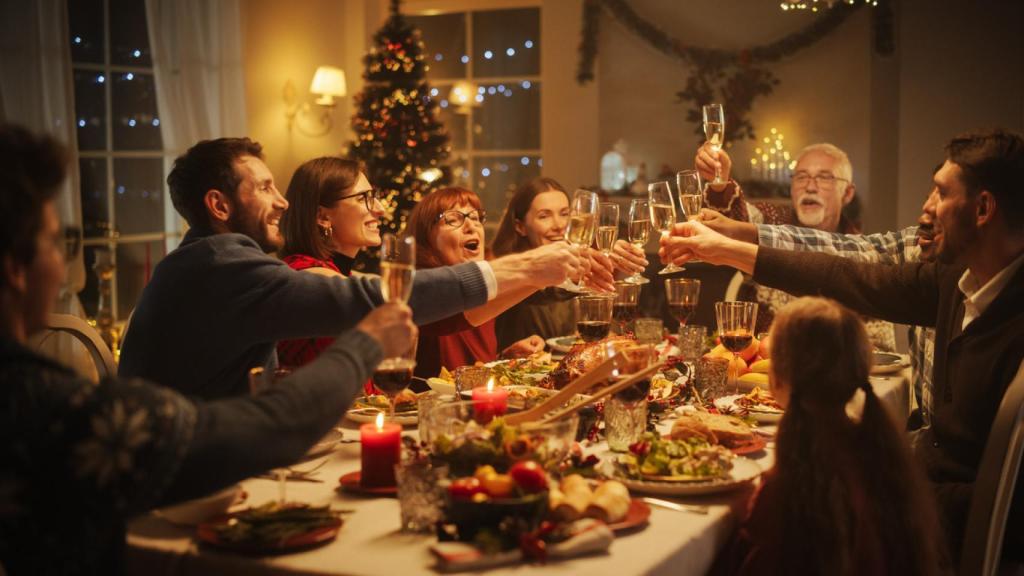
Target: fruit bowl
{"x": 504, "y": 518}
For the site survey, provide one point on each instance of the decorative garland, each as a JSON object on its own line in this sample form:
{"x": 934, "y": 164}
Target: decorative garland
{"x": 733, "y": 77}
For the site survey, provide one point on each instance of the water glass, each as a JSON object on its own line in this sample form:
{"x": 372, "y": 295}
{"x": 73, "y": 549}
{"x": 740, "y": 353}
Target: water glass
{"x": 420, "y": 494}
{"x": 712, "y": 377}
{"x": 425, "y": 405}
{"x": 648, "y": 330}
{"x": 625, "y": 422}
{"x": 691, "y": 341}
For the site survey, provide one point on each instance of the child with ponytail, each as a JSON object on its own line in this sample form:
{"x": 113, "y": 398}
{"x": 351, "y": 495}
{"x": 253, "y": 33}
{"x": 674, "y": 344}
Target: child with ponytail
{"x": 845, "y": 496}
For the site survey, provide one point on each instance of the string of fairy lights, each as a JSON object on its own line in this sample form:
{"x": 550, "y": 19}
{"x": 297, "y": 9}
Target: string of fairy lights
{"x": 772, "y": 161}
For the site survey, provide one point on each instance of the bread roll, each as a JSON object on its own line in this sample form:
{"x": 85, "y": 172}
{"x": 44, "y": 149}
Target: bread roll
{"x": 576, "y": 496}
{"x": 610, "y": 503}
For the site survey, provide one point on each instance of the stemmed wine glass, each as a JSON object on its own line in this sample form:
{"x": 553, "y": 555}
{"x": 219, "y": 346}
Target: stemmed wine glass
{"x": 663, "y": 215}
{"x": 638, "y": 229}
{"x": 682, "y": 295}
{"x": 397, "y": 266}
{"x": 736, "y": 328}
{"x": 691, "y": 195}
{"x": 580, "y": 231}
{"x": 607, "y": 227}
{"x": 627, "y": 302}
{"x": 593, "y": 316}
{"x": 714, "y": 131}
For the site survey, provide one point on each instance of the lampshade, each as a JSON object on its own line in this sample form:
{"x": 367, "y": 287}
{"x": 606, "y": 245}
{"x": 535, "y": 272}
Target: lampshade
{"x": 328, "y": 82}
{"x": 464, "y": 94}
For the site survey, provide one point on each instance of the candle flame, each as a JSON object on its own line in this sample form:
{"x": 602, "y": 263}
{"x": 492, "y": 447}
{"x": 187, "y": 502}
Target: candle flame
{"x": 380, "y": 421}
{"x": 490, "y": 384}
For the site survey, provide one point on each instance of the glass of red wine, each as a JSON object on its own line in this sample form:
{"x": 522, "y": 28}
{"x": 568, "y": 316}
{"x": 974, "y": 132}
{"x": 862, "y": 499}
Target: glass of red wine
{"x": 736, "y": 322}
{"x": 682, "y": 295}
{"x": 626, "y": 305}
{"x": 593, "y": 316}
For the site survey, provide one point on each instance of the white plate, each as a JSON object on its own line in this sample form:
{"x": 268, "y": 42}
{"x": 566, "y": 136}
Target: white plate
{"x": 365, "y": 415}
{"x": 743, "y": 471}
{"x": 325, "y": 445}
{"x": 887, "y": 363}
{"x": 727, "y": 404}
{"x": 561, "y": 344}
{"x": 441, "y": 386}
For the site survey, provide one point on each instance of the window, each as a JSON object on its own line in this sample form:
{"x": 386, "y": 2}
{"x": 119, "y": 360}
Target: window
{"x": 121, "y": 155}
{"x": 496, "y": 136}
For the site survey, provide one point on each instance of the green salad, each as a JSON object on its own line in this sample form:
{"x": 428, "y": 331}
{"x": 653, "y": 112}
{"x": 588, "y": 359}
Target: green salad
{"x": 690, "y": 459}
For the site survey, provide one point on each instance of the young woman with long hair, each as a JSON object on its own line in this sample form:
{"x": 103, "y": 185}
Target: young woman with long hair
{"x": 333, "y": 213}
{"x": 448, "y": 225}
{"x": 845, "y": 496}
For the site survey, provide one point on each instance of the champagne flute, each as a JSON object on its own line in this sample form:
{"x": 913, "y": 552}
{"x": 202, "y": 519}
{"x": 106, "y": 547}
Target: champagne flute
{"x": 593, "y": 316}
{"x": 397, "y": 267}
{"x": 638, "y": 229}
{"x": 714, "y": 131}
{"x": 735, "y": 328}
{"x": 607, "y": 227}
{"x": 663, "y": 215}
{"x": 580, "y": 230}
{"x": 682, "y": 295}
{"x": 691, "y": 195}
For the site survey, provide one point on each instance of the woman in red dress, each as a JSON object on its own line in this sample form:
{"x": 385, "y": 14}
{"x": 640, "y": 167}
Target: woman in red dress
{"x": 448, "y": 225}
{"x": 333, "y": 214}
{"x": 845, "y": 495}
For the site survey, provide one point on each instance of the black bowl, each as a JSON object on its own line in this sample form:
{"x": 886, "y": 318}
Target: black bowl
{"x": 504, "y": 518}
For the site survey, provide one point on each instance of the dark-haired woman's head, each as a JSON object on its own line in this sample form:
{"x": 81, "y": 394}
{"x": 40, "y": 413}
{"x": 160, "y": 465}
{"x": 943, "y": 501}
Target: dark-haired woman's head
{"x": 821, "y": 353}
{"x": 448, "y": 225}
{"x": 333, "y": 209}
{"x": 536, "y": 215}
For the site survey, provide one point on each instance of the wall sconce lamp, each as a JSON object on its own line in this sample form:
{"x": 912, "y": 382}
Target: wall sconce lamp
{"x": 465, "y": 96}
{"x": 328, "y": 83}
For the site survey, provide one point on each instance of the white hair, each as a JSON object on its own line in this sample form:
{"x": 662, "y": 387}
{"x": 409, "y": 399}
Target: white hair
{"x": 843, "y": 169}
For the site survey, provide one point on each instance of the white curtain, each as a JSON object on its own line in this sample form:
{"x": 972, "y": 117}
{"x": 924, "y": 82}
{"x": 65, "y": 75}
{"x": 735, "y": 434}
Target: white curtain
{"x": 197, "y": 65}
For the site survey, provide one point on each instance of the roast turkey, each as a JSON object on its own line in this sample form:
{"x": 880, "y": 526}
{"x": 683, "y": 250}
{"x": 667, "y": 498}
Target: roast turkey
{"x": 582, "y": 357}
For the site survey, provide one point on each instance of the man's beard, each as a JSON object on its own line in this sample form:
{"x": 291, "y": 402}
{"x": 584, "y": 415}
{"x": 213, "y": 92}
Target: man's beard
{"x": 955, "y": 242}
{"x": 255, "y": 229}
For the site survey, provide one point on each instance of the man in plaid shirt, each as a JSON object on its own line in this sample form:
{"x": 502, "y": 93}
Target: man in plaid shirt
{"x": 910, "y": 244}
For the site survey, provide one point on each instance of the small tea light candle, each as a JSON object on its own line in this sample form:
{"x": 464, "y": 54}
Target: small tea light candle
{"x": 381, "y": 448}
{"x": 489, "y": 401}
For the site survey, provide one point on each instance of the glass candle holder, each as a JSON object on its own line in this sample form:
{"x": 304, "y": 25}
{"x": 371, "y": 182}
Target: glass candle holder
{"x": 625, "y": 421}
{"x": 648, "y": 330}
{"x": 421, "y": 488}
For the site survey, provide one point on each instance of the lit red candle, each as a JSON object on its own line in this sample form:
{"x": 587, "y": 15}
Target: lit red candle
{"x": 489, "y": 401}
{"x": 381, "y": 448}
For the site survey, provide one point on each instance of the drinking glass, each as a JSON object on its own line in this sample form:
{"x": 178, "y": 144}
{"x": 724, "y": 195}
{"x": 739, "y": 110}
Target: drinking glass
{"x": 736, "y": 327}
{"x": 648, "y": 330}
{"x": 682, "y": 295}
{"x": 714, "y": 131}
{"x": 627, "y": 302}
{"x": 663, "y": 215}
{"x": 607, "y": 227}
{"x": 593, "y": 316}
{"x": 397, "y": 265}
{"x": 691, "y": 347}
{"x": 639, "y": 228}
{"x": 625, "y": 413}
{"x": 691, "y": 195}
{"x": 420, "y": 488}
{"x": 580, "y": 231}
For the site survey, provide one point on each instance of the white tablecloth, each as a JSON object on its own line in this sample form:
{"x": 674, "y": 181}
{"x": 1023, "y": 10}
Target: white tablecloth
{"x": 370, "y": 542}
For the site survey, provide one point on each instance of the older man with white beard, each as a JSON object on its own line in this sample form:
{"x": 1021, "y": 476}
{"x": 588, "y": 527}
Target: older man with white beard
{"x": 821, "y": 186}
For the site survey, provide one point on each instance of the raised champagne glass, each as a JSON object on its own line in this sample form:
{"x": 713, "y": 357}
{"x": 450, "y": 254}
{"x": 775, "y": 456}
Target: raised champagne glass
{"x": 682, "y": 295}
{"x": 593, "y": 316}
{"x": 607, "y": 227}
{"x": 663, "y": 215}
{"x": 580, "y": 230}
{"x": 691, "y": 195}
{"x": 638, "y": 230}
{"x": 736, "y": 322}
{"x": 714, "y": 131}
{"x": 397, "y": 266}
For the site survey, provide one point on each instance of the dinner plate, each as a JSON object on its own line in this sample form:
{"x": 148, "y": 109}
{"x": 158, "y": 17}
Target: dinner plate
{"x": 638, "y": 515}
{"x": 369, "y": 415}
{"x": 207, "y": 533}
{"x": 727, "y": 405}
{"x": 886, "y": 363}
{"x": 325, "y": 445}
{"x": 757, "y": 444}
{"x": 743, "y": 471}
{"x": 561, "y": 344}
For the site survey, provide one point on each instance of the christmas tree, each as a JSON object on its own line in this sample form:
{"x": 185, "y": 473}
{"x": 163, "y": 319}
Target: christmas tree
{"x": 398, "y": 135}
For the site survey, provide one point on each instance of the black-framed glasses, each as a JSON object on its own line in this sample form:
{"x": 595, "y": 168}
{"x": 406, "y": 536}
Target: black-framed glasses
{"x": 369, "y": 197}
{"x": 456, "y": 219}
{"x": 822, "y": 181}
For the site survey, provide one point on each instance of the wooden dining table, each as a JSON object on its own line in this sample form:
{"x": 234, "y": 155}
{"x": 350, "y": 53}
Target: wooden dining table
{"x": 371, "y": 542}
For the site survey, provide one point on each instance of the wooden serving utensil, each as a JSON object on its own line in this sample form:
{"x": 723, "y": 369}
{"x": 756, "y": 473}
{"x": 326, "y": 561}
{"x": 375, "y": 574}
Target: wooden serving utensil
{"x": 580, "y": 385}
{"x": 608, "y": 391}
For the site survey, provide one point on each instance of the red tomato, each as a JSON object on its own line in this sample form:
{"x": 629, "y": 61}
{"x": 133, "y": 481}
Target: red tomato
{"x": 465, "y": 488}
{"x": 529, "y": 476}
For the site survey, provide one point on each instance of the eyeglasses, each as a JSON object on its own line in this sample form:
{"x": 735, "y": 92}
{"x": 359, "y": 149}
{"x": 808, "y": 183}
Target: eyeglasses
{"x": 370, "y": 197}
{"x": 456, "y": 219}
{"x": 822, "y": 181}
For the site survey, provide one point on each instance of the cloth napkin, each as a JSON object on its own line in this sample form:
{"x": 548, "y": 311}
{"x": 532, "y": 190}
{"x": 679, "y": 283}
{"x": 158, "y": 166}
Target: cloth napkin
{"x": 589, "y": 536}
